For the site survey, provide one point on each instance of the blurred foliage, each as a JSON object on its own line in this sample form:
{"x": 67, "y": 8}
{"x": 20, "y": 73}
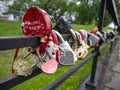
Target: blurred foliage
{"x": 83, "y": 11}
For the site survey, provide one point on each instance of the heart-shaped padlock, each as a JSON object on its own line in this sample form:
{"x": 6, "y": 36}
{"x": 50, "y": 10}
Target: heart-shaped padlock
{"x": 51, "y": 52}
{"x": 49, "y": 66}
{"x": 37, "y": 22}
{"x": 64, "y": 47}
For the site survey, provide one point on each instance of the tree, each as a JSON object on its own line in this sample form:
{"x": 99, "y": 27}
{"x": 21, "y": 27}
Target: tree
{"x": 55, "y": 8}
{"x": 87, "y": 12}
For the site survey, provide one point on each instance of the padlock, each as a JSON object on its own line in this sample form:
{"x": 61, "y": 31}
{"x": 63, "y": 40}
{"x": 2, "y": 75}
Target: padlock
{"x": 36, "y": 21}
{"x": 101, "y": 36}
{"x": 110, "y": 34}
{"x": 93, "y": 39}
{"x": 94, "y": 30}
{"x": 64, "y": 27}
{"x": 51, "y": 58}
{"x": 50, "y": 66}
{"x": 20, "y": 65}
{"x": 67, "y": 56}
{"x": 85, "y": 34}
{"x": 52, "y": 47}
{"x": 81, "y": 34}
{"x": 82, "y": 49}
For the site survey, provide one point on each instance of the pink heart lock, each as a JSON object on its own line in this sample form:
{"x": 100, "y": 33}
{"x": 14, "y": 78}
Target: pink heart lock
{"x": 50, "y": 66}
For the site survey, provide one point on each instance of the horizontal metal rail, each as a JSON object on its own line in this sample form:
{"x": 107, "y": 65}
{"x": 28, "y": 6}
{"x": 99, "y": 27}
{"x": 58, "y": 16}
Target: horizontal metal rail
{"x": 66, "y": 75}
{"x": 13, "y": 42}
{"x": 13, "y": 80}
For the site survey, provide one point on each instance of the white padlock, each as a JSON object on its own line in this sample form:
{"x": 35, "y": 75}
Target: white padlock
{"x": 93, "y": 38}
{"x": 66, "y": 47}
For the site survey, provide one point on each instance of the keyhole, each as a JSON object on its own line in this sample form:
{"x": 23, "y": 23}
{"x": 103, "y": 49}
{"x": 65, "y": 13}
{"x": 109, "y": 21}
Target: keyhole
{"x": 32, "y": 14}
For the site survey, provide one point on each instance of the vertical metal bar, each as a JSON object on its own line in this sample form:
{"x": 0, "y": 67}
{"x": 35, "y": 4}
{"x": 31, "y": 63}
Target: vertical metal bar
{"x": 111, "y": 7}
{"x": 101, "y": 14}
{"x": 91, "y": 82}
{"x": 94, "y": 66}
{"x": 100, "y": 24}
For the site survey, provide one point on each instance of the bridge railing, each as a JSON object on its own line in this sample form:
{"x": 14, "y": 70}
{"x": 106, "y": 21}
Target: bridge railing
{"x": 7, "y": 43}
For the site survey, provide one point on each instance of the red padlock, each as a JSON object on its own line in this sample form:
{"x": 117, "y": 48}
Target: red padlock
{"x": 36, "y": 22}
{"x": 44, "y": 41}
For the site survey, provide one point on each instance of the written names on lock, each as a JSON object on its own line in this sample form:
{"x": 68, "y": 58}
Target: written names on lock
{"x": 37, "y": 22}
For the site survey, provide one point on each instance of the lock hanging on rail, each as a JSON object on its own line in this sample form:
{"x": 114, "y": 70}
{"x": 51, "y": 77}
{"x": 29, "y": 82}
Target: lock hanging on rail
{"x": 67, "y": 56}
{"x": 64, "y": 27}
{"x": 82, "y": 48}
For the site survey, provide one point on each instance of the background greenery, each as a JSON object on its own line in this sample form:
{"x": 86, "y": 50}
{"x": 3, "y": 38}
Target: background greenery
{"x": 86, "y": 12}
{"x": 13, "y": 28}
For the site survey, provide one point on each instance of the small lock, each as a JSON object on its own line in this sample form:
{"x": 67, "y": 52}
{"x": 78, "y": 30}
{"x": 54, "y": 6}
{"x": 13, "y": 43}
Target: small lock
{"x": 85, "y": 34}
{"x": 20, "y": 65}
{"x": 64, "y": 27}
{"x": 82, "y": 49}
{"x": 65, "y": 47}
{"x": 52, "y": 48}
{"x": 49, "y": 66}
{"x": 93, "y": 39}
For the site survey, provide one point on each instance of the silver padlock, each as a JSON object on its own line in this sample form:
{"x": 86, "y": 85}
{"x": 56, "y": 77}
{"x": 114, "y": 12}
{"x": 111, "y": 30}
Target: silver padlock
{"x": 67, "y": 56}
{"x": 93, "y": 39}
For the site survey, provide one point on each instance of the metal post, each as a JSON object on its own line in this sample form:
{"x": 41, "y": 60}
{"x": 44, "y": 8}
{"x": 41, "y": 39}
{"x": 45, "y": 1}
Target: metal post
{"x": 94, "y": 66}
{"x": 101, "y": 14}
{"x": 91, "y": 82}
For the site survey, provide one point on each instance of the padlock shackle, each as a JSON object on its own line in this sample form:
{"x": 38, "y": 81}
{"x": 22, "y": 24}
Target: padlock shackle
{"x": 59, "y": 36}
{"x": 79, "y": 37}
{"x": 73, "y": 36}
{"x": 85, "y": 34}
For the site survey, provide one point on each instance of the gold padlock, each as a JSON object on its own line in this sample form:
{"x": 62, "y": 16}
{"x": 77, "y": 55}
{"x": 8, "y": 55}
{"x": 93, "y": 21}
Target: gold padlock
{"x": 82, "y": 48}
{"x": 21, "y": 67}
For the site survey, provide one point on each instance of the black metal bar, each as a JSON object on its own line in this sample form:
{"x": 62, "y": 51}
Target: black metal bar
{"x": 111, "y": 7}
{"x": 66, "y": 75}
{"x": 101, "y": 14}
{"x": 13, "y": 80}
{"x": 13, "y": 42}
{"x": 94, "y": 66}
{"x": 95, "y": 59}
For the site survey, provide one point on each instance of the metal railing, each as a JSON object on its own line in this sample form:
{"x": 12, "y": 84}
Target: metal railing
{"x": 7, "y": 43}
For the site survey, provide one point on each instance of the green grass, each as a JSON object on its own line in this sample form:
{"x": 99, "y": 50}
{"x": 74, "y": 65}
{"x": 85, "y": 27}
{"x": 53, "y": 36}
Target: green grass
{"x": 10, "y": 28}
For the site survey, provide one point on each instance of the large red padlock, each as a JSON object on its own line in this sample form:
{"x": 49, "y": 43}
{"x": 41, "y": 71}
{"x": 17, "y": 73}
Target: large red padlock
{"x": 36, "y": 22}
